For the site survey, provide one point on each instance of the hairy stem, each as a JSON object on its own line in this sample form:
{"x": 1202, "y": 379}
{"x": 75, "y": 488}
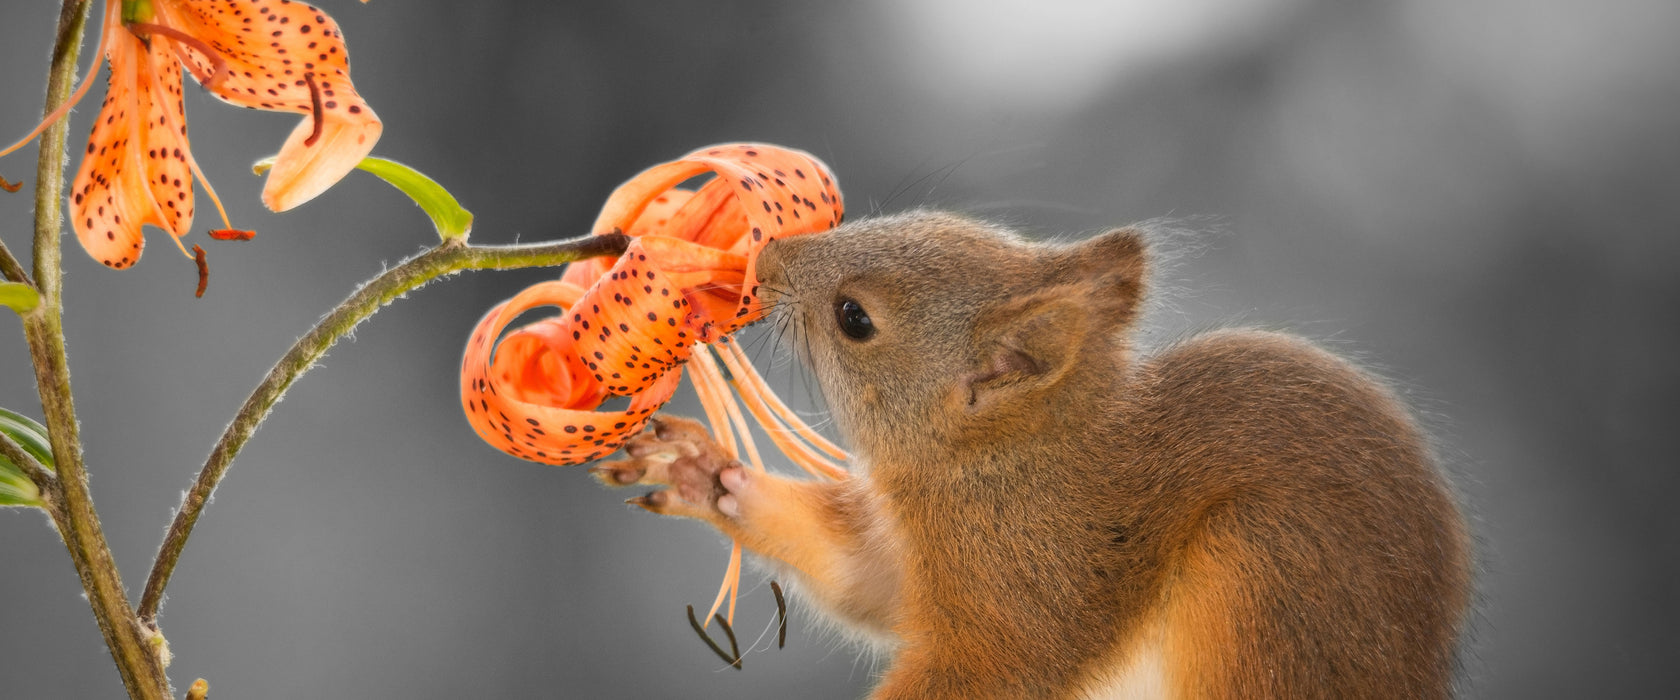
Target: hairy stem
{"x": 451, "y": 256}
{"x": 10, "y": 268}
{"x": 137, "y": 661}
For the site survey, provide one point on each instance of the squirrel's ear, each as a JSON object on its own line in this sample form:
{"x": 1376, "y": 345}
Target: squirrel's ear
{"x": 1091, "y": 288}
{"x": 1024, "y": 346}
{"x": 1111, "y": 267}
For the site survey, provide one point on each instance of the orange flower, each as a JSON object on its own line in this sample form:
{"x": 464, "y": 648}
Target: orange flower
{"x": 275, "y": 55}
{"x": 629, "y": 325}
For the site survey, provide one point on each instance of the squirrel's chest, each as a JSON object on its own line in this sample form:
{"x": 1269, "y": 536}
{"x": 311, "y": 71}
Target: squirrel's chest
{"x": 1135, "y": 669}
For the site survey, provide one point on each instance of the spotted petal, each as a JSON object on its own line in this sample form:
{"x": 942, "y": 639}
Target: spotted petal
{"x": 511, "y": 405}
{"x": 283, "y": 56}
{"x": 136, "y": 167}
{"x": 779, "y": 191}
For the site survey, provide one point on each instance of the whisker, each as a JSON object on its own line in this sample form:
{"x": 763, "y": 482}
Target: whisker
{"x": 805, "y": 377}
{"x": 903, "y": 185}
{"x": 949, "y": 171}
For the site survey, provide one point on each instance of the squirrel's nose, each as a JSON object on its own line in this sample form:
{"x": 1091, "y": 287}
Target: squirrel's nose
{"x": 771, "y": 267}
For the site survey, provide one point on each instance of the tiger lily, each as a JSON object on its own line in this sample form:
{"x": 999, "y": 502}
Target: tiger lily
{"x": 630, "y": 324}
{"x": 275, "y": 55}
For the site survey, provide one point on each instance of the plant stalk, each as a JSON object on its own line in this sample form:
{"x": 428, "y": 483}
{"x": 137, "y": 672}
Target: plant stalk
{"x": 137, "y": 660}
{"x": 451, "y": 256}
{"x": 9, "y": 267}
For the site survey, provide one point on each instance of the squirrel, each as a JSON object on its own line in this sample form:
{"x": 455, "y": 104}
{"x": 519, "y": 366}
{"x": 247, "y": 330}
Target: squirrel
{"x": 1038, "y": 511}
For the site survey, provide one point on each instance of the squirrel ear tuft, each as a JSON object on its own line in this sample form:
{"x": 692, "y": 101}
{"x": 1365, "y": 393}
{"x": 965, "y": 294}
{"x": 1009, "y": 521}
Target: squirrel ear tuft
{"x": 1112, "y": 268}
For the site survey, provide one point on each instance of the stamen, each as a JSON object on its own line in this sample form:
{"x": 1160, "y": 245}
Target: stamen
{"x": 695, "y": 623}
{"x": 315, "y": 104}
{"x": 714, "y": 395}
{"x": 111, "y": 10}
{"x": 706, "y": 368}
{"x": 734, "y": 648}
{"x": 232, "y": 234}
{"x": 203, "y": 270}
{"x": 735, "y": 578}
{"x": 781, "y": 615}
{"x": 755, "y": 394}
{"x": 731, "y": 582}
{"x": 709, "y": 386}
{"x": 192, "y": 163}
{"x": 218, "y": 65}
{"x": 8, "y": 185}
{"x": 775, "y": 404}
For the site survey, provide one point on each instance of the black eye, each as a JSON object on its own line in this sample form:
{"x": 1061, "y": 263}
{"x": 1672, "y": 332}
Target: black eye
{"x": 853, "y": 320}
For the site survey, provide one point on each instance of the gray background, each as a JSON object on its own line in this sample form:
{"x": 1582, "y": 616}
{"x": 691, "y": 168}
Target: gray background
{"x": 1476, "y": 198}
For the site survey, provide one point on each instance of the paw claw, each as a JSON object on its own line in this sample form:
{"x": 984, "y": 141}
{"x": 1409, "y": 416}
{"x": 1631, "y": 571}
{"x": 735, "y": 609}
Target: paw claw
{"x": 675, "y": 452}
{"x": 617, "y": 473}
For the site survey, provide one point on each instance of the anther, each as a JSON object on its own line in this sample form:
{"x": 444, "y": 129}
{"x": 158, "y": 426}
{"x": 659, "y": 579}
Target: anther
{"x": 203, "y": 270}
{"x": 315, "y": 105}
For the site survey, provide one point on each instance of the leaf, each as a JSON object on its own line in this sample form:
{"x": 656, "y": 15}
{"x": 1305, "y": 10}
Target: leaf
{"x": 30, "y": 435}
{"x": 16, "y": 489}
{"x": 451, "y": 220}
{"x": 21, "y": 297}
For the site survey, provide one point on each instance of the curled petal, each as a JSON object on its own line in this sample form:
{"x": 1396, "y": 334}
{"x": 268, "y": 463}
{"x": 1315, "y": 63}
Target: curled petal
{"x": 643, "y": 318}
{"x": 712, "y": 217}
{"x": 778, "y": 191}
{"x": 626, "y": 204}
{"x": 264, "y": 50}
{"x": 280, "y": 56}
{"x": 306, "y": 167}
{"x": 507, "y": 414}
{"x": 653, "y": 220}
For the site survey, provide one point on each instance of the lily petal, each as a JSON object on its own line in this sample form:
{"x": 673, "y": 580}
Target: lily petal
{"x": 779, "y": 191}
{"x": 653, "y": 220}
{"x": 307, "y": 168}
{"x": 519, "y": 422}
{"x": 135, "y": 170}
{"x": 281, "y": 56}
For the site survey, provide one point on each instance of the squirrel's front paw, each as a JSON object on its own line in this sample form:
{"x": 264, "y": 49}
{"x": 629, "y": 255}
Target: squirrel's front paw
{"x": 675, "y": 452}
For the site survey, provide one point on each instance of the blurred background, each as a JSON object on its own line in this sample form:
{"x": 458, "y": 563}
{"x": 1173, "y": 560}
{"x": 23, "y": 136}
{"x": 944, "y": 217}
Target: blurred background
{"x": 1477, "y": 199}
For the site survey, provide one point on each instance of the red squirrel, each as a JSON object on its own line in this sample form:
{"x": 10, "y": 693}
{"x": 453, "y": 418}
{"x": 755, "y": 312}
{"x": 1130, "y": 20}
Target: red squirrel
{"x": 1039, "y": 511}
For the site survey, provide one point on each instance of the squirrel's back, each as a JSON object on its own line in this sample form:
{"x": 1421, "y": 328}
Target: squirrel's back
{"x": 1312, "y": 547}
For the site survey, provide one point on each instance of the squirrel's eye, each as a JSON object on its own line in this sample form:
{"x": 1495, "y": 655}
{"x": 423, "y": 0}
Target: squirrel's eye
{"x": 853, "y": 320}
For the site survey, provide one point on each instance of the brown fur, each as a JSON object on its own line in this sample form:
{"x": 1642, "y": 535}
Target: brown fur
{"x": 1038, "y": 514}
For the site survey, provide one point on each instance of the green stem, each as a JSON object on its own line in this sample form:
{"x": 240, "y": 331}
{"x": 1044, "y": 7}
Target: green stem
{"x": 451, "y": 256}
{"x": 137, "y": 660}
{"x": 10, "y": 268}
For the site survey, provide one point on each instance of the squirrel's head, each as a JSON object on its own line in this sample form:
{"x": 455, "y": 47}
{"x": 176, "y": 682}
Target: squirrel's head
{"x": 930, "y": 326}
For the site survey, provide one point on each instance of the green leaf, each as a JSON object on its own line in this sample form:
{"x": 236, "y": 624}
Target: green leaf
{"x": 451, "y": 220}
{"x": 30, "y": 435}
{"x": 16, "y": 489}
{"x": 21, "y": 297}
